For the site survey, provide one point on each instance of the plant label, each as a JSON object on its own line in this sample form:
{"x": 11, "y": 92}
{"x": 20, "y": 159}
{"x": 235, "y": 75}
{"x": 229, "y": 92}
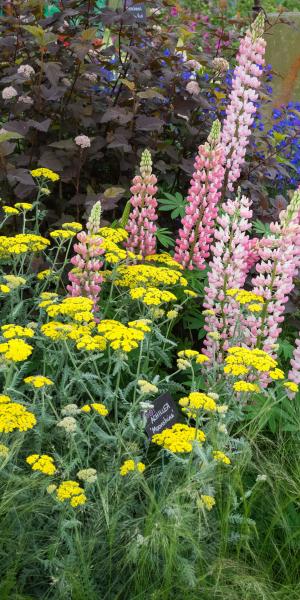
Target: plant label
{"x": 138, "y": 10}
{"x": 163, "y": 415}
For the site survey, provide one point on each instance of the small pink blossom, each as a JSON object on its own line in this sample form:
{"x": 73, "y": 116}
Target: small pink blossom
{"x": 83, "y": 141}
{"x": 9, "y": 92}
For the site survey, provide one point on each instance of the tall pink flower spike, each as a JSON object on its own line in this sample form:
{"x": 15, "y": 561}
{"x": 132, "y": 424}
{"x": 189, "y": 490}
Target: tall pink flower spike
{"x": 86, "y": 277}
{"x": 276, "y": 271}
{"x": 241, "y": 109}
{"x": 141, "y": 224}
{"x": 195, "y": 237}
{"x": 294, "y": 372}
{"x": 227, "y": 270}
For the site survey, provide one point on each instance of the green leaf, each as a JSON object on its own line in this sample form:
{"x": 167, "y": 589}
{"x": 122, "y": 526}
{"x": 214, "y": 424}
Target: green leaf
{"x": 165, "y": 237}
{"x": 260, "y": 227}
{"x": 10, "y": 135}
{"x": 286, "y": 348}
{"x": 173, "y": 203}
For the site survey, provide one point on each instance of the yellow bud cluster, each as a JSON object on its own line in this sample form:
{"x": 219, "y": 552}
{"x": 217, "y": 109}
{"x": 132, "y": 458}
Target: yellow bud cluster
{"x": 71, "y": 490}
{"x": 195, "y": 402}
{"x": 152, "y": 296}
{"x": 131, "y": 465}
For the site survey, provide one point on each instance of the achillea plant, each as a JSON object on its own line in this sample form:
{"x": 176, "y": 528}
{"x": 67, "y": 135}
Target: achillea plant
{"x": 276, "y": 271}
{"x": 141, "y": 224}
{"x": 86, "y": 277}
{"x": 195, "y": 237}
{"x": 241, "y": 109}
{"x": 227, "y": 271}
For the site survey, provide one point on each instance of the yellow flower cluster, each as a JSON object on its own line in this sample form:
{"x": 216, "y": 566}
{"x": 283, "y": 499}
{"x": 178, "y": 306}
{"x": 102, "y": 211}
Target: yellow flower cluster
{"x": 165, "y": 259}
{"x": 71, "y": 490}
{"x": 56, "y": 330}
{"x": 4, "y": 289}
{"x": 245, "y": 386}
{"x": 208, "y": 501}
{"x": 151, "y": 295}
{"x": 9, "y": 210}
{"x": 292, "y": 386}
{"x": 14, "y": 416}
{"x": 78, "y": 308}
{"x": 15, "y": 350}
{"x": 38, "y": 381}
{"x": 179, "y": 438}
{"x": 14, "y": 281}
{"x": 63, "y": 234}
{"x": 117, "y": 234}
{"x": 200, "y": 358}
{"x": 253, "y": 301}
{"x": 24, "y": 206}
{"x": 146, "y": 387}
{"x": 190, "y": 293}
{"x": 21, "y": 243}
{"x": 221, "y": 457}
{"x": 44, "y": 172}
{"x": 131, "y": 275}
{"x": 90, "y": 342}
{"x": 4, "y": 451}
{"x": 73, "y": 225}
{"x": 41, "y": 462}
{"x": 43, "y": 274}
{"x": 131, "y": 465}
{"x": 98, "y": 408}
{"x": 113, "y": 254}
{"x": 240, "y": 360}
{"x": 123, "y": 337}
{"x": 195, "y": 402}
{"x": 16, "y": 331}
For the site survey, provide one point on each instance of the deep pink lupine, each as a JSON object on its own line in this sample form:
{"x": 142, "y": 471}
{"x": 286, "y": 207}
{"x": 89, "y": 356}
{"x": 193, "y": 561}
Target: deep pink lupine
{"x": 276, "y": 271}
{"x": 294, "y": 372}
{"x": 241, "y": 108}
{"x": 141, "y": 224}
{"x": 251, "y": 247}
{"x": 196, "y": 234}
{"x": 227, "y": 270}
{"x": 86, "y": 278}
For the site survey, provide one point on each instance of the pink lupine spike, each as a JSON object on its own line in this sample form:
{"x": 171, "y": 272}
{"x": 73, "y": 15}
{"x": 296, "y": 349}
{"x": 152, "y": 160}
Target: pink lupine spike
{"x": 294, "y": 372}
{"x": 244, "y": 94}
{"x": 141, "y": 223}
{"x": 227, "y": 270}
{"x": 276, "y": 271}
{"x": 195, "y": 236}
{"x": 86, "y": 278}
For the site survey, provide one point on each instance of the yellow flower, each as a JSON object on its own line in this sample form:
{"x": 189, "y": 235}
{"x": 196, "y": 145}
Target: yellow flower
{"x": 91, "y": 343}
{"x": 245, "y": 386}
{"x": 41, "y": 462}
{"x": 202, "y": 358}
{"x": 172, "y": 314}
{"x": 290, "y": 385}
{"x": 56, "y": 330}
{"x": 195, "y": 402}
{"x": 71, "y": 490}
{"x": 165, "y": 259}
{"x": 151, "y": 295}
{"x": 120, "y": 336}
{"x": 100, "y": 409}
{"x": 21, "y": 244}
{"x": 16, "y": 350}
{"x": 190, "y": 293}
{"x": 44, "y": 172}
{"x": 24, "y": 205}
{"x": 208, "y": 501}
{"x": 64, "y": 234}
{"x": 14, "y": 416}
{"x": 146, "y": 387}
{"x": 9, "y": 210}
{"x": 245, "y": 297}
{"x": 38, "y": 381}
{"x": 276, "y": 374}
{"x": 131, "y": 465}
{"x": 117, "y": 234}
{"x": 4, "y": 289}
{"x": 4, "y": 451}
{"x": 221, "y": 457}
{"x": 16, "y": 331}
{"x": 188, "y": 353}
{"x": 214, "y": 335}
{"x": 179, "y": 438}
{"x": 255, "y": 307}
{"x": 73, "y": 226}
{"x": 133, "y": 275}
{"x": 43, "y": 274}
{"x": 236, "y": 370}
{"x": 14, "y": 281}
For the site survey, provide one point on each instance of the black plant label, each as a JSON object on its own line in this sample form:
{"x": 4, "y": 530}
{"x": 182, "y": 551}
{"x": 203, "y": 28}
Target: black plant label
{"x": 137, "y": 10}
{"x": 162, "y": 416}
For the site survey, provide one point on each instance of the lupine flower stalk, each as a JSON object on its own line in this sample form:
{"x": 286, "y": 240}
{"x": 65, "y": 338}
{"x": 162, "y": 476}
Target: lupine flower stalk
{"x": 294, "y": 372}
{"x": 196, "y": 234}
{"x": 227, "y": 270}
{"x": 244, "y": 94}
{"x": 276, "y": 271}
{"x": 86, "y": 277}
{"x": 141, "y": 224}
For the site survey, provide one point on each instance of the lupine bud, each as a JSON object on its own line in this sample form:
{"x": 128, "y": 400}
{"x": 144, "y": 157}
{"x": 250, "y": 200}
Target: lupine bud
{"x": 93, "y": 224}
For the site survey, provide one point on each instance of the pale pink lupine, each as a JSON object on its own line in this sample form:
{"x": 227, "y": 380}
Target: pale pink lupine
{"x": 251, "y": 247}
{"x": 227, "y": 270}
{"x": 276, "y": 271}
{"x": 294, "y": 372}
{"x": 241, "y": 108}
{"x": 86, "y": 277}
{"x": 141, "y": 223}
{"x": 195, "y": 236}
